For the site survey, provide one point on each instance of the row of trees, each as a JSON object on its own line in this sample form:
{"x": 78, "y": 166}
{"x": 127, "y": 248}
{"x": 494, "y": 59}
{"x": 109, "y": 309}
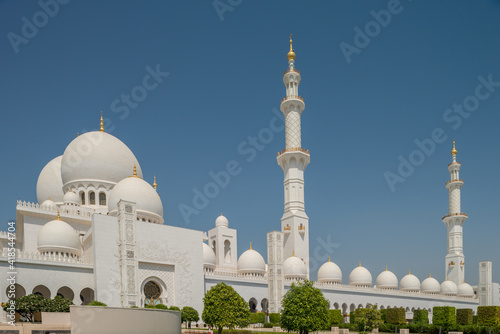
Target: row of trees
{"x": 28, "y": 305}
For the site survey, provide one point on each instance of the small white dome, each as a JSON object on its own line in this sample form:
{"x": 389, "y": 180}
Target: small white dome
{"x": 251, "y": 262}
{"x": 71, "y": 198}
{"x": 449, "y": 288}
{"x": 360, "y": 276}
{"x": 48, "y": 204}
{"x": 49, "y": 182}
{"x": 294, "y": 268}
{"x": 329, "y": 272}
{"x": 221, "y": 221}
{"x": 59, "y": 236}
{"x": 465, "y": 290}
{"x": 134, "y": 189}
{"x": 409, "y": 283}
{"x": 386, "y": 280}
{"x": 431, "y": 285}
{"x": 208, "y": 257}
{"x": 97, "y": 156}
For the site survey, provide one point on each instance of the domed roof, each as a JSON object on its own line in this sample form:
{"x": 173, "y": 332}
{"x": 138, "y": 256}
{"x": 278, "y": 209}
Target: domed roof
{"x": 409, "y": 283}
{"x": 360, "y": 276}
{"x": 329, "y": 272}
{"x": 386, "y": 280}
{"x": 59, "y": 236}
{"x": 135, "y": 189}
{"x": 431, "y": 285}
{"x": 294, "y": 267}
{"x": 49, "y": 182}
{"x": 208, "y": 257}
{"x": 465, "y": 290}
{"x": 71, "y": 198}
{"x": 251, "y": 262}
{"x": 97, "y": 155}
{"x": 48, "y": 204}
{"x": 221, "y": 221}
{"x": 449, "y": 288}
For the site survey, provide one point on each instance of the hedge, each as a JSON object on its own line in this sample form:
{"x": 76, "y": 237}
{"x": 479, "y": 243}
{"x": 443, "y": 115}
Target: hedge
{"x": 274, "y": 318}
{"x": 96, "y": 303}
{"x": 464, "y": 316}
{"x": 443, "y": 316}
{"x": 488, "y": 315}
{"x": 383, "y": 314}
{"x": 395, "y": 316}
{"x": 420, "y": 316}
{"x": 161, "y": 306}
{"x": 335, "y": 316}
{"x": 254, "y": 318}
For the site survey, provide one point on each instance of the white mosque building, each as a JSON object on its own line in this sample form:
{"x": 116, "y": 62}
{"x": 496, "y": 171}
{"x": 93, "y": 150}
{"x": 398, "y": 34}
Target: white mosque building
{"x": 98, "y": 233}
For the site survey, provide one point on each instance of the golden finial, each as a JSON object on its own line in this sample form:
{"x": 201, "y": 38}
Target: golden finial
{"x": 251, "y": 245}
{"x": 221, "y": 213}
{"x": 58, "y": 216}
{"x": 154, "y": 183}
{"x": 329, "y": 258}
{"x": 291, "y": 54}
{"x": 409, "y": 271}
{"x": 430, "y": 275}
{"x": 78, "y": 134}
{"x": 447, "y": 278}
{"x": 454, "y": 151}
{"x": 293, "y": 252}
{"x": 135, "y": 171}
{"x": 102, "y": 123}
{"x": 386, "y": 267}
{"x": 359, "y": 263}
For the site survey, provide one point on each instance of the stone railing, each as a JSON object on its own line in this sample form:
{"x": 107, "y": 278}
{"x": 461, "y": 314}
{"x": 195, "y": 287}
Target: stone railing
{"x": 291, "y": 70}
{"x": 455, "y": 214}
{"x": 63, "y": 209}
{"x": 35, "y": 256}
{"x": 293, "y": 149}
{"x": 234, "y": 274}
{"x": 457, "y": 180}
{"x": 292, "y": 97}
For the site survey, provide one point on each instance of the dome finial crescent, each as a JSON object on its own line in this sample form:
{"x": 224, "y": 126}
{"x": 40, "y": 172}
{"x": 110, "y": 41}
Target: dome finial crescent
{"x": 58, "y": 216}
{"x": 102, "y": 123}
{"x": 154, "y": 183}
{"x": 359, "y": 264}
{"x": 329, "y": 258}
{"x": 386, "y": 267}
{"x": 454, "y": 150}
{"x": 293, "y": 252}
{"x": 291, "y": 53}
{"x": 251, "y": 245}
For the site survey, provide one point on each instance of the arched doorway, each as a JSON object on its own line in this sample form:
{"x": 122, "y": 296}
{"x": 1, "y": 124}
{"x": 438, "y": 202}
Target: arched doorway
{"x": 336, "y": 306}
{"x": 253, "y": 305}
{"x": 264, "y": 304}
{"x": 227, "y": 251}
{"x": 87, "y": 296}
{"x": 41, "y": 290}
{"x": 66, "y": 292}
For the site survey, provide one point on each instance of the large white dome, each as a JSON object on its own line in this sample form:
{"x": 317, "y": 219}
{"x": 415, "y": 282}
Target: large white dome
{"x": 251, "y": 262}
{"x": 209, "y": 260}
{"x": 97, "y": 156}
{"x": 465, "y": 290}
{"x": 386, "y": 280}
{"x": 294, "y": 268}
{"x": 135, "y": 189}
{"x": 409, "y": 283}
{"x": 431, "y": 285}
{"x": 449, "y": 288}
{"x": 59, "y": 236}
{"x": 329, "y": 272}
{"x": 49, "y": 184}
{"x": 360, "y": 276}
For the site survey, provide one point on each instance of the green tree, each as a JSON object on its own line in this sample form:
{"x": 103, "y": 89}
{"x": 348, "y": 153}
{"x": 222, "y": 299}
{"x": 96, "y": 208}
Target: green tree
{"x": 58, "y": 304}
{"x": 224, "y": 307}
{"x": 368, "y": 318}
{"x": 304, "y": 308}
{"x": 28, "y": 305}
{"x": 189, "y": 314}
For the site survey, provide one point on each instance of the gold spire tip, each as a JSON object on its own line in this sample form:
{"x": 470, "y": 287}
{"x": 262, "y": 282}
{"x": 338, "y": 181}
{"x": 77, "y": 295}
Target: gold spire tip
{"x": 251, "y": 245}
{"x": 430, "y": 275}
{"x": 359, "y": 263}
{"x": 102, "y": 123}
{"x": 135, "y": 170}
{"x": 154, "y": 183}
{"x": 329, "y": 258}
{"x": 409, "y": 271}
{"x": 58, "y": 216}
{"x": 291, "y": 53}
{"x": 454, "y": 151}
{"x": 386, "y": 267}
{"x": 293, "y": 252}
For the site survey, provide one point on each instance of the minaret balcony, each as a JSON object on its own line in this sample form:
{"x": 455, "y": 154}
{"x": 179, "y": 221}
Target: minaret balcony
{"x": 457, "y": 180}
{"x": 292, "y": 97}
{"x": 454, "y": 163}
{"x": 293, "y": 149}
{"x": 291, "y": 70}
{"x": 455, "y": 215}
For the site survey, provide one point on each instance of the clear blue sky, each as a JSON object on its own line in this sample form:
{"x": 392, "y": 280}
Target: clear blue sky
{"x": 225, "y": 78}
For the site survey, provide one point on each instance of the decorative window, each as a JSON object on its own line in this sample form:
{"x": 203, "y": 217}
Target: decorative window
{"x": 82, "y": 195}
{"x": 102, "y": 199}
{"x": 152, "y": 292}
{"x": 92, "y": 198}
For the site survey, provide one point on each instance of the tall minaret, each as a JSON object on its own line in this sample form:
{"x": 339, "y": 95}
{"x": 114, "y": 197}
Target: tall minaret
{"x": 454, "y": 221}
{"x": 294, "y": 160}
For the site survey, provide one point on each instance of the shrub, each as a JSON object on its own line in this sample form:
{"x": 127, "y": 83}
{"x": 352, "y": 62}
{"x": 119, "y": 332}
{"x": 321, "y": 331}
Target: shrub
{"x": 383, "y": 313}
{"x": 149, "y": 306}
{"x": 274, "y": 318}
{"x": 28, "y": 305}
{"x": 268, "y": 325}
{"x": 474, "y": 319}
{"x": 395, "y": 316}
{"x": 488, "y": 315}
{"x": 161, "y": 306}
{"x": 96, "y": 303}
{"x": 58, "y": 304}
{"x": 420, "y": 317}
{"x": 464, "y": 316}
{"x": 174, "y": 308}
{"x": 444, "y": 316}
{"x": 386, "y": 328}
{"x": 335, "y": 317}
{"x": 134, "y": 306}
{"x": 254, "y": 318}
{"x": 261, "y": 317}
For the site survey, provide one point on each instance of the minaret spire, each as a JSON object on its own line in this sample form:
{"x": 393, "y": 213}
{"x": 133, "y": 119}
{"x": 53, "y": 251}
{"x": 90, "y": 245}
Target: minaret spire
{"x": 294, "y": 160}
{"x": 454, "y": 221}
{"x": 102, "y": 123}
{"x": 154, "y": 183}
